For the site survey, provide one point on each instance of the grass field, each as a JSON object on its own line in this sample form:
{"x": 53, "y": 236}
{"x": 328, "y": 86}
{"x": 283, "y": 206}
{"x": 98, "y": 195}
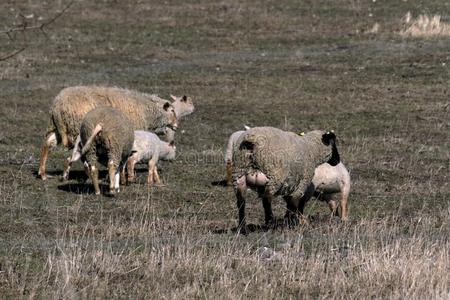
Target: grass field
{"x": 296, "y": 65}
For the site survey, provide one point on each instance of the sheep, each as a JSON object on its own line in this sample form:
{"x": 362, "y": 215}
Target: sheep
{"x": 107, "y": 138}
{"x": 149, "y": 148}
{"x": 72, "y": 104}
{"x": 275, "y": 162}
{"x": 327, "y": 180}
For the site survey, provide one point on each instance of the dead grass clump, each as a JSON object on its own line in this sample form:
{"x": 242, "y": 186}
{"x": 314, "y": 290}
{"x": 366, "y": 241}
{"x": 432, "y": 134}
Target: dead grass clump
{"x": 424, "y": 26}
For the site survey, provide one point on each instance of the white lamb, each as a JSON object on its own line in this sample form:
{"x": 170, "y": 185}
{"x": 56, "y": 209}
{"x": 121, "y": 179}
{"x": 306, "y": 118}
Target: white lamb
{"x": 147, "y": 147}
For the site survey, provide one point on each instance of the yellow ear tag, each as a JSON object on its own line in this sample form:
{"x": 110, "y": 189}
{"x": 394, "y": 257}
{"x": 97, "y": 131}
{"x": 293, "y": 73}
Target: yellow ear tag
{"x": 301, "y": 133}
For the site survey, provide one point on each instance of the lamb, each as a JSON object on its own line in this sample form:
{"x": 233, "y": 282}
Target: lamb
{"x": 149, "y": 148}
{"x": 327, "y": 182}
{"x": 72, "y": 104}
{"x": 183, "y": 106}
{"x": 107, "y": 138}
{"x": 275, "y": 162}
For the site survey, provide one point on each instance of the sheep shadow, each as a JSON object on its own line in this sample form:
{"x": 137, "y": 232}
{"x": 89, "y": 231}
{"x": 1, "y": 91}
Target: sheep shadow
{"x": 222, "y": 183}
{"x": 83, "y": 188}
{"x": 278, "y": 224}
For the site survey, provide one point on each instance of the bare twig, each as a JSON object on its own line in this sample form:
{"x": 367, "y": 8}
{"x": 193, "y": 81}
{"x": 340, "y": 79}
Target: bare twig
{"x": 24, "y": 27}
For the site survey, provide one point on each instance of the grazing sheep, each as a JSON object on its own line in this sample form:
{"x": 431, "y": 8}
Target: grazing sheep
{"x": 229, "y": 152}
{"x": 72, "y": 104}
{"x": 327, "y": 182}
{"x": 149, "y": 148}
{"x": 107, "y": 138}
{"x": 275, "y": 162}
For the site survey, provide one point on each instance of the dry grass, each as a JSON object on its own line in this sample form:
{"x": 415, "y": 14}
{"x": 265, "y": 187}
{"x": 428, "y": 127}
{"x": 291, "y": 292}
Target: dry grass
{"x": 289, "y": 64}
{"x": 424, "y": 26}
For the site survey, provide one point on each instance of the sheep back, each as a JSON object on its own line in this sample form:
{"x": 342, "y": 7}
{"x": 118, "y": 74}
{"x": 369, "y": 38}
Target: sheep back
{"x": 116, "y": 138}
{"x": 287, "y": 159}
{"x": 72, "y": 104}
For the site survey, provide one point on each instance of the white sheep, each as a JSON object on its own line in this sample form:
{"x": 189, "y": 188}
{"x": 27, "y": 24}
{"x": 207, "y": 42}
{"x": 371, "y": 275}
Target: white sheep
{"x": 147, "y": 147}
{"x": 329, "y": 181}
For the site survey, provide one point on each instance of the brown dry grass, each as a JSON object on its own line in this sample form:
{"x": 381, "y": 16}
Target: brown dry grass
{"x": 425, "y": 26}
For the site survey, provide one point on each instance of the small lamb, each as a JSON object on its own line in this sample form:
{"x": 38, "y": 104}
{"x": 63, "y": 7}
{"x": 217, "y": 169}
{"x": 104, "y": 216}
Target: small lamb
{"x": 276, "y": 162}
{"x": 107, "y": 138}
{"x": 149, "y": 148}
{"x": 327, "y": 182}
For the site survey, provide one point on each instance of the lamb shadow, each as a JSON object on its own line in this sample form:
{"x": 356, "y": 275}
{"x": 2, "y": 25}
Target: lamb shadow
{"x": 83, "y": 188}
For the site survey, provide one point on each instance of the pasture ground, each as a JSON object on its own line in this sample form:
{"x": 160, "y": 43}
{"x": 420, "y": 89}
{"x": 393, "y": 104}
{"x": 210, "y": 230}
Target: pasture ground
{"x": 290, "y": 64}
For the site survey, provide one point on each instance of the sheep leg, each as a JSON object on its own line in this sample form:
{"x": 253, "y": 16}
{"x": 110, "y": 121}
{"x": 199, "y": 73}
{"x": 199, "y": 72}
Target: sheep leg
{"x": 76, "y": 154}
{"x": 291, "y": 216}
{"x": 240, "y": 189}
{"x": 156, "y": 175}
{"x": 267, "y": 204}
{"x": 123, "y": 178}
{"x": 229, "y": 172}
{"x": 112, "y": 176}
{"x": 150, "y": 179}
{"x": 343, "y": 202}
{"x": 117, "y": 177}
{"x": 333, "y": 206}
{"x": 94, "y": 177}
{"x": 50, "y": 141}
{"x": 130, "y": 168}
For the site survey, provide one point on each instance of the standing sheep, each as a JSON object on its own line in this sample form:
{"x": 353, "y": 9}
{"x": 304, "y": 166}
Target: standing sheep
{"x": 149, "y": 148}
{"x": 72, "y": 104}
{"x": 275, "y": 162}
{"x": 327, "y": 181}
{"x": 107, "y": 138}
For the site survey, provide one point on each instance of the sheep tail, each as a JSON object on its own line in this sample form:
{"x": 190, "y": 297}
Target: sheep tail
{"x": 96, "y": 131}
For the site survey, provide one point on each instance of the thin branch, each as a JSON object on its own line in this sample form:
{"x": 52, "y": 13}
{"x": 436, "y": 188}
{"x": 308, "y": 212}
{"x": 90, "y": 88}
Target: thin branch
{"x": 24, "y": 27}
{"x": 8, "y": 56}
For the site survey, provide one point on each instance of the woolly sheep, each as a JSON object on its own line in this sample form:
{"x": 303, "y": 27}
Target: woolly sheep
{"x": 147, "y": 147}
{"x": 72, "y": 104}
{"x": 275, "y": 162}
{"x": 107, "y": 138}
{"x": 327, "y": 180}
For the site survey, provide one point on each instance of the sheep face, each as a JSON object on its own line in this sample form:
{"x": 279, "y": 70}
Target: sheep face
{"x": 183, "y": 105}
{"x": 171, "y": 116}
{"x": 329, "y": 140}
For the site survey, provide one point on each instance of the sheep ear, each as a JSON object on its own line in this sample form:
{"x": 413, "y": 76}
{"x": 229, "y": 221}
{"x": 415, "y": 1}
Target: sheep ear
{"x": 184, "y": 98}
{"x": 175, "y": 98}
{"x": 166, "y": 106}
{"x": 172, "y": 144}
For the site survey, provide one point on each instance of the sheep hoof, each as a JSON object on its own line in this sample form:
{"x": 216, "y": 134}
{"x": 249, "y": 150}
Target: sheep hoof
{"x": 243, "y": 229}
